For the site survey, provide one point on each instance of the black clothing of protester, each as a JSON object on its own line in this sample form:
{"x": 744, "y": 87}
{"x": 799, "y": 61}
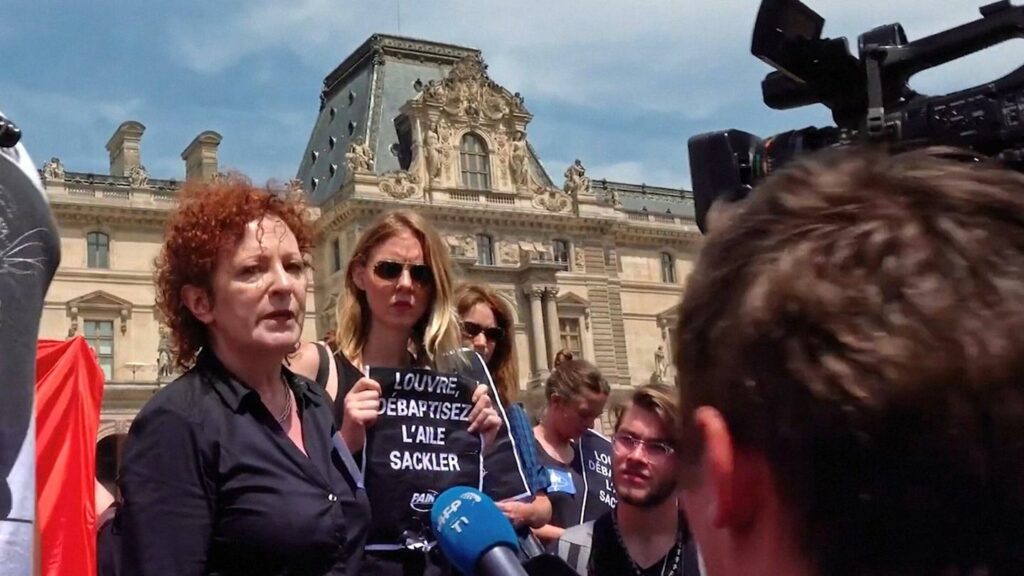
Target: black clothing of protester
{"x": 566, "y": 498}
{"x": 608, "y": 556}
{"x": 29, "y": 255}
{"x": 385, "y": 562}
{"x": 212, "y": 484}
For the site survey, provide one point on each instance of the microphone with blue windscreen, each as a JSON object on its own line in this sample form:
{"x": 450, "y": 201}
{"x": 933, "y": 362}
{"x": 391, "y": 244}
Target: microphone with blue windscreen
{"x": 474, "y": 535}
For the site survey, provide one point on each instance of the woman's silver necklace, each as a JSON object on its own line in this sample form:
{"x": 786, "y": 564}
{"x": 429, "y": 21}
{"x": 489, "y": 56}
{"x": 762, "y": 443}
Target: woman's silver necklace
{"x": 677, "y": 547}
{"x": 287, "y": 402}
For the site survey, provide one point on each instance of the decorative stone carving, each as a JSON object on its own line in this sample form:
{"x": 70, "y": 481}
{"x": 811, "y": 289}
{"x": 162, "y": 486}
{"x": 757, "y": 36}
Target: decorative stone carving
{"x": 576, "y": 180}
{"x": 435, "y": 153}
{"x": 469, "y": 246}
{"x": 612, "y": 198}
{"x": 359, "y": 157}
{"x": 164, "y": 364}
{"x": 509, "y": 253}
{"x": 520, "y": 161}
{"x": 294, "y": 187}
{"x": 53, "y": 170}
{"x": 660, "y": 366}
{"x": 551, "y": 199}
{"x": 138, "y": 177}
{"x": 399, "y": 184}
{"x": 579, "y": 258}
{"x": 469, "y": 92}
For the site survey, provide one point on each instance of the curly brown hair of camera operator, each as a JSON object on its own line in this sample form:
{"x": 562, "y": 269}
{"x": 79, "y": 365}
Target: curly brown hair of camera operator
{"x": 211, "y": 217}
{"x": 861, "y": 324}
{"x": 504, "y": 364}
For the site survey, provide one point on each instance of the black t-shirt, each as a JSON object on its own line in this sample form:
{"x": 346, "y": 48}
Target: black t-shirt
{"x": 212, "y": 484}
{"x": 608, "y": 557}
{"x": 385, "y": 562}
{"x": 566, "y": 488}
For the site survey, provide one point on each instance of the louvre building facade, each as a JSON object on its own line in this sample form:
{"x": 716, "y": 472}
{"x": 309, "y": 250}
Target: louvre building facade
{"x": 588, "y": 265}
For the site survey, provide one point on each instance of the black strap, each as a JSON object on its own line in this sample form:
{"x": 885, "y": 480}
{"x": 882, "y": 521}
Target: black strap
{"x": 323, "y": 370}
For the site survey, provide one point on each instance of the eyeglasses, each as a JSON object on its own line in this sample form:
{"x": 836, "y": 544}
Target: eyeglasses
{"x": 627, "y": 443}
{"x": 493, "y": 334}
{"x": 389, "y": 270}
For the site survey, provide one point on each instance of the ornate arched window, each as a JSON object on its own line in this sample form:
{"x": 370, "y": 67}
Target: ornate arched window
{"x": 474, "y": 163}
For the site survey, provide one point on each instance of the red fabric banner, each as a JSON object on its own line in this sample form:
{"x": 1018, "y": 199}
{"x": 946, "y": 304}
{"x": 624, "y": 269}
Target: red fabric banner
{"x": 69, "y": 389}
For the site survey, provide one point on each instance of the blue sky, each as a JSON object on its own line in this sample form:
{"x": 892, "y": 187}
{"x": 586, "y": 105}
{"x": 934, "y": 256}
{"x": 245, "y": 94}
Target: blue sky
{"x": 618, "y": 84}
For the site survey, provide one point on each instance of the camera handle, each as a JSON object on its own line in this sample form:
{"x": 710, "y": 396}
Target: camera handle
{"x": 1001, "y": 21}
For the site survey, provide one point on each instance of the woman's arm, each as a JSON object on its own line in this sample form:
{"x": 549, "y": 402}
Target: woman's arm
{"x": 548, "y": 533}
{"x": 167, "y": 516}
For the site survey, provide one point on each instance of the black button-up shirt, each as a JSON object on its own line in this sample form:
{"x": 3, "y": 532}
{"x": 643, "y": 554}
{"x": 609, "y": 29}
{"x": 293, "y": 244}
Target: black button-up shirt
{"x": 212, "y": 485}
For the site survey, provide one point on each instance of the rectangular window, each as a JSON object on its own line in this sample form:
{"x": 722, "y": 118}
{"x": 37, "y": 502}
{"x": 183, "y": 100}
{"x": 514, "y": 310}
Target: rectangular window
{"x": 336, "y": 255}
{"x": 560, "y": 251}
{"x": 98, "y": 250}
{"x": 100, "y": 336}
{"x": 668, "y": 268}
{"x": 485, "y": 250}
{"x": 569, "y": 328}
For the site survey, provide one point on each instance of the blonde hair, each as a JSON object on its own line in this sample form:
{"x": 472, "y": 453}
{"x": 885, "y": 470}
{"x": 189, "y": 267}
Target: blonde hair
{"x": 438, "y": 330}
{"x": 504, "y": 365}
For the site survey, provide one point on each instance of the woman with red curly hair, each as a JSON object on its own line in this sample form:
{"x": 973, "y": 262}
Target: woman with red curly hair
{"x": 230, "y": 469}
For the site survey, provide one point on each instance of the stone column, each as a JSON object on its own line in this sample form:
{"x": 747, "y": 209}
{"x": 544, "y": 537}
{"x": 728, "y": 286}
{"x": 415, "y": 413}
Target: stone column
{"x": 537, "y": 346}
{"x": 551, "y": 320}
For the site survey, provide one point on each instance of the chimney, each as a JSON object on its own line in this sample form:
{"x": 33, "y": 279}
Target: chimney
{"x": 123, "y": 147}
{"x": 201, "y": 156}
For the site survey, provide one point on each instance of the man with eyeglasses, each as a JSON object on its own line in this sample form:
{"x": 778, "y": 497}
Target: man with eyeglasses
{"x": 645, "y": 535}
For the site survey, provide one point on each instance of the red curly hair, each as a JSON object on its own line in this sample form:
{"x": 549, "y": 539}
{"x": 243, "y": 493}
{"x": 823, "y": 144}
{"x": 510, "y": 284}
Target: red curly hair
{"x": 212, "y": 216}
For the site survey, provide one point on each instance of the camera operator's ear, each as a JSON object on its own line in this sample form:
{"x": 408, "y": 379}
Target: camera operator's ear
{"x": 721, "y": 214}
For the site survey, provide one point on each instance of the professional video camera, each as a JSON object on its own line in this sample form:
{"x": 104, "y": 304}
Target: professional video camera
{"x": 869, "y": 97}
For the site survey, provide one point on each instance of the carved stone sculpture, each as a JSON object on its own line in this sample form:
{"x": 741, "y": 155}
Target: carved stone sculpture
{"x": 53, "y": 170}
{"x": 551, "y": 199}
{"x": 138, "y": 177}
{"x": 399, "y": 184}
{"x": 435, "y": 154}
{"x": 580, "y": 257}
{"x": 509, "y": 253}
{"x": 520, "y": 161}
{"x": 165, "y": 366}
{"x": 576, "y": 180}
{"x": 359, "y": 157}
{"x": 660, "y": 366}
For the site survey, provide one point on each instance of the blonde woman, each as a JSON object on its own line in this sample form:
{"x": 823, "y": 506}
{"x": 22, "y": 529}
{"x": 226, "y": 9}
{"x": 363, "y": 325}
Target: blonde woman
{"x": 396, "y": 310}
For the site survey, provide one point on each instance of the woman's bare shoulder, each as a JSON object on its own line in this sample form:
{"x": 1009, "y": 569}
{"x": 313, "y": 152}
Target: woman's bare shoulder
{"x": 305, "y": 361}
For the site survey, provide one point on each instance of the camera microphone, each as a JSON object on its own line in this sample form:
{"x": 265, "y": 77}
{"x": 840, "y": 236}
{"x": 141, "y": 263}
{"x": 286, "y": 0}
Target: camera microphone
{"x": 474, "y": 535}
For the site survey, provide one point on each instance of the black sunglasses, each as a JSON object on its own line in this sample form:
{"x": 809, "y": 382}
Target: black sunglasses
{"x": 390, "y": 270}
{"x": 494, "y": 333}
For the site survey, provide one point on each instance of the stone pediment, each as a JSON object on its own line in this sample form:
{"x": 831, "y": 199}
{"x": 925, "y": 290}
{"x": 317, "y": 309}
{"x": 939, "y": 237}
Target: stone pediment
{"x": 573, "y": 300}
{"x": 468, "y": 92}
{"x": 100, "y": 300}
{"x": 668, "y": 316}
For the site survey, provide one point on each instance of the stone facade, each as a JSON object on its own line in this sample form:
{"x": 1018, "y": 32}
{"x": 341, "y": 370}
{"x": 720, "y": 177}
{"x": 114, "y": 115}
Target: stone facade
{"x": 592, "y": 265}
{"x": 588, "y": 264}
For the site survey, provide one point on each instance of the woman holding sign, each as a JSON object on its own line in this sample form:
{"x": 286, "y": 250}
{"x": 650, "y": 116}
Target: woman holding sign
{"x": 396, "y": 311}
{"x": 230, "y": 469}
{"x": 576, "y": 393}
{"x": 487, "y": 328}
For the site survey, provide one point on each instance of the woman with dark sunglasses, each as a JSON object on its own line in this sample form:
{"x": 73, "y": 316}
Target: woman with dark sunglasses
{"x": 396, "y": 310}
{"x": 487, "y": 327}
